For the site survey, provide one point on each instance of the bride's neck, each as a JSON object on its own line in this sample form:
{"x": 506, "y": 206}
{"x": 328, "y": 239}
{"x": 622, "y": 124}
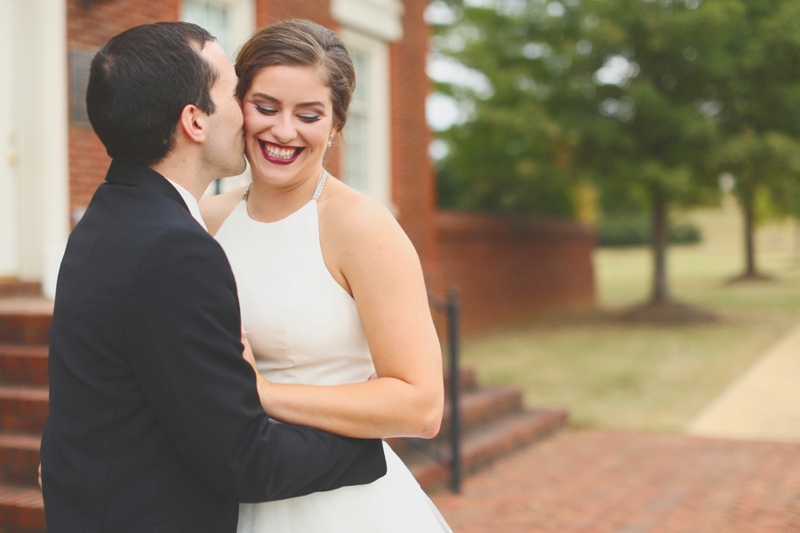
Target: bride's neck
{"x": 267, "y": 202}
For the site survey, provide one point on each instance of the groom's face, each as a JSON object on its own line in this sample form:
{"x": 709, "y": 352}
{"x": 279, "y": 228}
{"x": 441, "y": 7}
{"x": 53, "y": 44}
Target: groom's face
{"x": 224, "y": 148}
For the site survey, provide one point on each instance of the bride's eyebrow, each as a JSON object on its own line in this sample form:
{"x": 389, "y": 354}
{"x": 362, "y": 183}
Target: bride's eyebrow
{"x": 266, "y": 97}
{"x": 311, "y": 104}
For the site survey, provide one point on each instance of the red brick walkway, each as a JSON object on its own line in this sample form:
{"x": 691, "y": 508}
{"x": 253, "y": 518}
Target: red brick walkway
{"x": 607, "y": 482}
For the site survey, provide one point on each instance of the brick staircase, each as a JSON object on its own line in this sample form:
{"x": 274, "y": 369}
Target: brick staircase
{"x": 494, "y": 421}
{"x": 24, "y": 336}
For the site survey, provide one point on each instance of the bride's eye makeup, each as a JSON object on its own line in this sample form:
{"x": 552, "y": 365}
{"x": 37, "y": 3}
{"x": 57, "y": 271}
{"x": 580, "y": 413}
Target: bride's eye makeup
{"x": 270, "y": 111}
{"x": 265, "y": 110}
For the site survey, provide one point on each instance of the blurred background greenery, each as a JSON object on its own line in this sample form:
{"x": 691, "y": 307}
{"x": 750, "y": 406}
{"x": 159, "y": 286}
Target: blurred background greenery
{"x": 620, "y": 113}
{"x": 667, "y": 124}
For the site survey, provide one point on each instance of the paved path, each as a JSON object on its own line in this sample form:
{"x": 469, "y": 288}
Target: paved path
{"x": 764, "y": 403}
{"x": 614, "y": 482}
{"x": 742, "y": 480}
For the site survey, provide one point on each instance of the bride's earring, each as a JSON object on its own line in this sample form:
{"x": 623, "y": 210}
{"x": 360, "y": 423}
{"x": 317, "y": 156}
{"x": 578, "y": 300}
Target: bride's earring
{"x": 330, "y": 141}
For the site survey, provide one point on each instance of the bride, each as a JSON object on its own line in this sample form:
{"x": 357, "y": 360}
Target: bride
{"x": 331, "y": 289}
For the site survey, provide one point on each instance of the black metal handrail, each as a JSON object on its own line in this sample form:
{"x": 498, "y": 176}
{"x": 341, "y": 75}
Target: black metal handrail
{"x": 451, "y": 306}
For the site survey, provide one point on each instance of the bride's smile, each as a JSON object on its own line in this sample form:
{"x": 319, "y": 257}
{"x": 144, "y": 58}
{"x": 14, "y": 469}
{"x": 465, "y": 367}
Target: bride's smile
{"x": 280, "y": 155}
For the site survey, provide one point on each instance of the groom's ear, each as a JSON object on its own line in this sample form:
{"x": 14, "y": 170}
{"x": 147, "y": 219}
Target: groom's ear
{"x": 193, "y": 123}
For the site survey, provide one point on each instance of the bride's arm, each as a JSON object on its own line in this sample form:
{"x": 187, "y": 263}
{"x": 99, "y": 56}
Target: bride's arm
{"x": 368, "y": 252}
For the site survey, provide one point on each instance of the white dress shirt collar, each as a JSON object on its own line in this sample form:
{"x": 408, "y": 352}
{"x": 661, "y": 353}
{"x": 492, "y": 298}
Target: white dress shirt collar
{"x": 191, "y": 203}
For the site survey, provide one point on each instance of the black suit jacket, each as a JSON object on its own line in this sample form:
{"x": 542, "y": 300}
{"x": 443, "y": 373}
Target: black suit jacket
{"x": 155, "y": 422}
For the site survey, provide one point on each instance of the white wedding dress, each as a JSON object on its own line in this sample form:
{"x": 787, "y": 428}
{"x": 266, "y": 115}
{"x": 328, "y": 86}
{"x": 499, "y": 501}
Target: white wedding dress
{"x": 305, "y": 328}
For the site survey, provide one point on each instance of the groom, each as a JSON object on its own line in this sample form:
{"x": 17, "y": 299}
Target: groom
{"x": 155, "y": 422}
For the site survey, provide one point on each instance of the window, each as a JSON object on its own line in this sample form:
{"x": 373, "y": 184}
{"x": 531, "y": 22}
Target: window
{"x": 356, "y": 151}
{"x": 79, "y": 63}
{"x": 366, "y": 161}
{"x": 232, "y": 22}
{"x": 368, "y": 27}
{"x": 211, "y": 16}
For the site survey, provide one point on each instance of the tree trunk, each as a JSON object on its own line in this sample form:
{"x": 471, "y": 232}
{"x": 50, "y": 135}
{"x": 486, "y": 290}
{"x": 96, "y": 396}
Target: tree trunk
{"x": 660, "y": 238}
{"x": 796, "y": 243}
{"x": 749, "y": 226}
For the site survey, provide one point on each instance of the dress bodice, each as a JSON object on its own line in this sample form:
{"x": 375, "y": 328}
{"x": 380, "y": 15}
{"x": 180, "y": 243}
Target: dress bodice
{"x": 303, "y": 326}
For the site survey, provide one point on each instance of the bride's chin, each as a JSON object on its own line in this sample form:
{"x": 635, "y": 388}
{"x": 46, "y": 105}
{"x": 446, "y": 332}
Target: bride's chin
{"x": 269, "y": 176}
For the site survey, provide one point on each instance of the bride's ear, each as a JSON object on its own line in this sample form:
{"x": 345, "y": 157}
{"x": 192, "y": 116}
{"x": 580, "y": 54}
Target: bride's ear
{"x": 193, "y": 123}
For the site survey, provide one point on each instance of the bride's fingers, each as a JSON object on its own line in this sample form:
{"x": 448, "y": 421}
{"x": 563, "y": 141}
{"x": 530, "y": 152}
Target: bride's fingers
{"x": 247, "y": 353}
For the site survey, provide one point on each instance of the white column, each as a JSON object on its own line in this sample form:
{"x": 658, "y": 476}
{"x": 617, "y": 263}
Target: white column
{"x": 9, "y": 193}
{"x": 43, "y": 147}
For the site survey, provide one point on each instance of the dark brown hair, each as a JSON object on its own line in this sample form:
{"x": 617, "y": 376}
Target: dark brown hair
{"x": 303, "y": 43}
{"x": 139, "y": 83}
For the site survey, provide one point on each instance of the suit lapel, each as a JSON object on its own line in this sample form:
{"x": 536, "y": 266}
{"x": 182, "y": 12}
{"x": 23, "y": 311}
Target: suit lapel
{"x": 142, "y": 176}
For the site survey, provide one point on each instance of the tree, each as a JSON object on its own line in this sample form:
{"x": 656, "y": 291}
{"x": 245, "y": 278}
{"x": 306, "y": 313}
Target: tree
{"x": 761, "y": 163}
{"x": 583, "y": 91}
{"x": 755, "y": 101}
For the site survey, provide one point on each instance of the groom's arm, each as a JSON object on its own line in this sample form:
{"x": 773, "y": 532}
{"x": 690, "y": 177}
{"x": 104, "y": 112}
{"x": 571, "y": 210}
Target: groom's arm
{"x": 184, "y": 332}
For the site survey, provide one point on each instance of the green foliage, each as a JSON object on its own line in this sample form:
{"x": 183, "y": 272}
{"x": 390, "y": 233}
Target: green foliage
{"x": 623, "y": 231}
{"x": 647, "y": 100}
{"x": 549, "y": 122}
{"x": 757, "y": 98}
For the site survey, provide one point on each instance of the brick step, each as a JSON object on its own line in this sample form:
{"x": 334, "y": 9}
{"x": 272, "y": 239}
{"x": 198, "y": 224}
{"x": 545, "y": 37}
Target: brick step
{"x": 482, "y": 406}
{"x": 21, "y": 510}
{"x": 19, "y": 458}
{"x": 466, "y": 379}
{"x": 23, "y": 408}
{"x": 13, "y": 287}
{"x": 25, "y": 320}
{"x": 482, "y": 445}
{"x": 23, "y": 364}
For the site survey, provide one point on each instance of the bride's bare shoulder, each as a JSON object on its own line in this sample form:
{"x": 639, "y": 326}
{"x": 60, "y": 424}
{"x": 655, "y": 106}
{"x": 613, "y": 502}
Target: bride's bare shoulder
{"x": 353, "y": 218}
{"x": 215, "y": 209}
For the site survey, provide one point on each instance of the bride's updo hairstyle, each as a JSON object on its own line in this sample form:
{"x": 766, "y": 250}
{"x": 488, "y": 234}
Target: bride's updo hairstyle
{"x": 300, "y": 43}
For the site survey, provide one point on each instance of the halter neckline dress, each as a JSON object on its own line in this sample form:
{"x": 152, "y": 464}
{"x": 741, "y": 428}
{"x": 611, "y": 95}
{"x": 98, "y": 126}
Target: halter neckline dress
{"x": 305, "y": 328}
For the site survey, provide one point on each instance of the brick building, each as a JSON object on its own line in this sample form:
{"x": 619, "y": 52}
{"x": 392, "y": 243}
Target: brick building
{"x": 52, "y": 161}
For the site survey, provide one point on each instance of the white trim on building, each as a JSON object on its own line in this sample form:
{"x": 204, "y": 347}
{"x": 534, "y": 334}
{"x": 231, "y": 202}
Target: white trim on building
{"x": 37, "y": 81}
{"x": 379, "y": 18}
{"x": 9, "y": 184}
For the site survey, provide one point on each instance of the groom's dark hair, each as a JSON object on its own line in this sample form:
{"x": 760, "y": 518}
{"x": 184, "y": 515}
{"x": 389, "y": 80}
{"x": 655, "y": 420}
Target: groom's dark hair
{"x": 139, "y": 83}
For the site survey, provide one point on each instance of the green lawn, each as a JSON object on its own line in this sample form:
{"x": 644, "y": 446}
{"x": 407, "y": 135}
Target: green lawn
{"x": 614, "y": 375}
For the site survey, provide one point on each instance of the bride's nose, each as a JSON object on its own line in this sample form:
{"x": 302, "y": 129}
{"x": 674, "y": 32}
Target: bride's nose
{"x": 283, "y": 129}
